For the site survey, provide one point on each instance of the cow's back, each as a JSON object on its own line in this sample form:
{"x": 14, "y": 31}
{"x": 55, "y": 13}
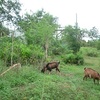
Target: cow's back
{"x": 52, "y": 65}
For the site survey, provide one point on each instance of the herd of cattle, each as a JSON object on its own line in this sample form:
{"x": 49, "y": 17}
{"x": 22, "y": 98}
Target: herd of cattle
{"x": 88, "y": 72}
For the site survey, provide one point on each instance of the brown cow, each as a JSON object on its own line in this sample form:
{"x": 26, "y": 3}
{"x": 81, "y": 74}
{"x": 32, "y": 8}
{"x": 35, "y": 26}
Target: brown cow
{"x": 89, "y": 72}
{"x": 50, "y": 66}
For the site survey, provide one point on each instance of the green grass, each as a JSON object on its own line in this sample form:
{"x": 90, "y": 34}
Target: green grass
{"x": 30, "y": 84}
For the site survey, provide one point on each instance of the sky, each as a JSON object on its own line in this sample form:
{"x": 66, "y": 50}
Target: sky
{"x": 87, "y": 11}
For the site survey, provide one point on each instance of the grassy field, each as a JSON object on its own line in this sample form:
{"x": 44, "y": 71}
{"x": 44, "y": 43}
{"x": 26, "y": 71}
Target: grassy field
{"x": 30, "y": 84}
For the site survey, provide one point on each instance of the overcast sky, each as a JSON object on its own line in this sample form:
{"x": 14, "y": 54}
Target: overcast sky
{"x": 88, "y": 14}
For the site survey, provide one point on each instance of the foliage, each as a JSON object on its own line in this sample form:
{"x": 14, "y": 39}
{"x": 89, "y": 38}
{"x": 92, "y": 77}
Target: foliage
{"x": 92, "y": 53}
{"x": 98, "y": 45}
{"x": 22, "y": 53}
{"x": 40, "y": 37}
{"x": 9, "y": 10}
{"x": 39, "y": 29}
{"x": 94, "y": 43}
{"x": 29, "y": 83}
{"x": 94, "y": 33}
{"x": 91, "y": 43}
{"x": 72, "y": 37}
{"x": 5, "y": 49}
{"x": 58, "y": 48}
{"x": 74, "y": 59}
{"x": 4, "y": 31}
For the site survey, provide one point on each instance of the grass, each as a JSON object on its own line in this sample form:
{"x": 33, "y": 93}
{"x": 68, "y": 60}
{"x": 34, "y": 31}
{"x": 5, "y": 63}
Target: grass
{"x": 30, "y": 84}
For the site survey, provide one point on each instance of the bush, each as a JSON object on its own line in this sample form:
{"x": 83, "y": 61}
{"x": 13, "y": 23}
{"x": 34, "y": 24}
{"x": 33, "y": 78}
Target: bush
{"x": 98, "y": 45}
{"x": 89, "y": 51}
{"x": 92, "y": 53}
{"x": 74, "y": 59}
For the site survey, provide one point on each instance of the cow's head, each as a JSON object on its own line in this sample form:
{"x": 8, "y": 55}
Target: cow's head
{"x": 43, "y": 70}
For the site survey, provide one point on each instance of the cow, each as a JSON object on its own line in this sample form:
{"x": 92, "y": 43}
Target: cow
{"x": 91, "y": 73}
{"x": 51, "y": 65}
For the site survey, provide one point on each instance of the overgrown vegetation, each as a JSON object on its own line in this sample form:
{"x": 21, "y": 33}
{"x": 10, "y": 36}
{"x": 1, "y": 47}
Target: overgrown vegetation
{"x": 37, "y": 38}
{"x": 74, "y": 59}
{"x": 30, "y": 83}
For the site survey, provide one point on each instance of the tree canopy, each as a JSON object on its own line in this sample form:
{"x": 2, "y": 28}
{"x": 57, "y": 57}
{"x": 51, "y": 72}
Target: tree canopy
{"x": 9, "y": 10}
{"x": 40, "y": 36}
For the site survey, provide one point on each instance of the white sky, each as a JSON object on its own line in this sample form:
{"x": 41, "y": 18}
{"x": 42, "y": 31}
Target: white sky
{"x": 88, "y": 14}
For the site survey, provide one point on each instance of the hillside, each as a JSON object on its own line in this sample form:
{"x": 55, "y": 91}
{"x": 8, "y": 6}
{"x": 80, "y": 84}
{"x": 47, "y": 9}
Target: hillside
{"x": 30, "y": 84}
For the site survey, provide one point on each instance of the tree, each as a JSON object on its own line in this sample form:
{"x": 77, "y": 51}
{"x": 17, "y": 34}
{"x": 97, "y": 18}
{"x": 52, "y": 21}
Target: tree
{"x": 98, "y": 44}
{"x": 9, "y": 10}
{"x": 47, "y": 30}
{"x": 39, "y": 29}
{"x": 94, "y": 33}
{"x": 3, "y": 31}
{"x": 72, "y": 37}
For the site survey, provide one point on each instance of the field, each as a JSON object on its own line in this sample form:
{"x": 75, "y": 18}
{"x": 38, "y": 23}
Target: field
{"x": 30, "y": 84}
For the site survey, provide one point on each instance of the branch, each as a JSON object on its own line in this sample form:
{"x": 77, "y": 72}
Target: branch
{"x": 15, "y": 65}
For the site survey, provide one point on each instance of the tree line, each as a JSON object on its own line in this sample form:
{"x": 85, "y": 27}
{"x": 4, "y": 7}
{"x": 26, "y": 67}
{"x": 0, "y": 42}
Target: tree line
{"x": 39, "y": 36}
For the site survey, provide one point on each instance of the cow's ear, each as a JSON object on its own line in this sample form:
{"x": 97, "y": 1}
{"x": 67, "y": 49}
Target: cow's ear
{"x": 59, "y": 62}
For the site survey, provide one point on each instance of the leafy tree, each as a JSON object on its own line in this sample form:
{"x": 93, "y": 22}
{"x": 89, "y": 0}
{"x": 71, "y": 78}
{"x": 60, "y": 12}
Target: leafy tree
{"x": 3, "y": 31}
{"x": 94, "y": 33}
{"x": 9, "y": 10}
{"x": 98, "y": 44}
{"x": 5, "y": 49}
{"x": 48, "y": 26}
{"x": 9, "y": 13}
{"x": 39, "y": 29}
{"x": 72, "y": 37}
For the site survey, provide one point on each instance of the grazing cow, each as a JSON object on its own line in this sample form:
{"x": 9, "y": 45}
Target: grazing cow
{"x": 89, "y": 72}
{"x": 50, "y": 66}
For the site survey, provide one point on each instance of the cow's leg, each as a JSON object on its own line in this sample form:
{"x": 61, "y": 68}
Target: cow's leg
{"x": 85, "y": 77}
{"x": 57, "y": 70}
{"x": 94, "y": 80}
{"x": 45, "y": 69}
{"x": 50, "y": 71}
{"x": 97, "y": 81}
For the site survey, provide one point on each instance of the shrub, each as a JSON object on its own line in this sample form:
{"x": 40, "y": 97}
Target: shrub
{"x": 79, "y": 59}
{"x": 89, "y": 51}
{"x": 92, "y": 53}
{"x": 74, "y": 59}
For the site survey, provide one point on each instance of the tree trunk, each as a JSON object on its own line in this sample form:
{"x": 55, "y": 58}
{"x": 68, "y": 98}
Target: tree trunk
{"x": 12, "y": 50}
{"x": 46, "y": 50}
